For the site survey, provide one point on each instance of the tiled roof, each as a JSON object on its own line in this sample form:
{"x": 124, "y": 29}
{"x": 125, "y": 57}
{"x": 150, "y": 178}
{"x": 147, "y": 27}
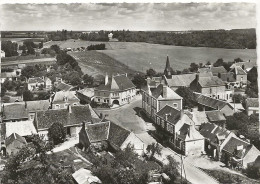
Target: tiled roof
{"x": 35, "y": 80}
{"x": 13, "y": 137}
{"x": 89, "y": 92}
{"x": 39, "y": 105}
{"x": 77, "y": 115}
{"x": 117, "y": 83}
{"x": 117, "y": 134}
{"x": 232, "y": 145}
{"x": 204, "y": 70}
{"x": 188, "y": 133}
{"x": 98, "y": 132}
{"x": 247, "y": 65}
{"x": 65, "y": 96}
{"x": 174, "y": 115}
{"x": 214, "y": 132}
{"x": 217, "y": 70}
{"x": 252, "y": 102}
{"x": 109, "y": 131}
{"x": 23, "y": 128}
{"x": 238, "y": 71}
{"x": 14, "y": 111}
{"x": 199, "y": 117}
{"x": 210, "y": 102}
{"x": 227, "y": 77}
{"x": 63, "y": 86}
{"x": 215, "y": 116}
{"x": 210, "y": 81}
{"x": 158, "y": 92}
{"x": 180, "y": 80}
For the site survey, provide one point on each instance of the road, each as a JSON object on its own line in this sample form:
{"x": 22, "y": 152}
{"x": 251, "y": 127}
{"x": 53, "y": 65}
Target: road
{"x": 128, "y": 117}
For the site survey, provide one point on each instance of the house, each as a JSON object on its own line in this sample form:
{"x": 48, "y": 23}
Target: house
{"x": 62, "y": 99}
{"x": 115, "y": 136}
{"x": 215, "y": 139}
{"x": 85, "y": 95}
{"x": 217, "y": 71}
{"x": 176, "y": 81}
{"x": 239, "y": 74}
{"x": 14, "y": 143}
{"x": 37, "y": 83}
{"x": 153, "y": 82}
{"x": 247, "y": 65}
{"x": 198, "y": 117}
{"x": 2, "y": 54}
{"x": 71, "y": 118}
{"x": 209, "y": 85}
{"x": 14, "y": 112}
{"x": 154, "y": 100}
{"x": 62, "y": 86}
{"x": 206, "y": 103}
{"x": 252, "y": 106}
{"x": 117, "y": 90}
{"x": 34, "y": 106}
{"x": 84, "y": 176}
{"x": 216, "y": 117}
{"x": 239, "y": 153}
{"x": 178, "y": 129}
{"x": 23, "y": 128}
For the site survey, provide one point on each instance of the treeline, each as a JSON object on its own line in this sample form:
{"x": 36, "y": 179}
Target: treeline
{"x": 95, "y": 36}
{"x": 101, "y": 46}
{"x": 9, "y": 48}
{"x": 233, "y": 39}
{"x": 63, "y": 35}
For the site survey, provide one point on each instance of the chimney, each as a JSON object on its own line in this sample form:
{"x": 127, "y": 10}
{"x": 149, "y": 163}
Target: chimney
{"x": 106, "y": 79}
{"x": 69, "y": 108}
{"x": 240, "y": 147}
{"x": 197, "y": 77}
{"x": 164, "y": 91}
{"x": 83, "y": 125}
{"x": 166, "y": 116}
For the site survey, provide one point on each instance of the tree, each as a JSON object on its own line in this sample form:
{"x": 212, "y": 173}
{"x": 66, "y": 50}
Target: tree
{"x": 89, "y": 80}
{"x": 9, "y": 48}
{"x": 29, "y": 71}
{"x": 153, "y": 149}
{"x": 27, "y": 95}
{"x": 237, "y": 60}
{"x": 237, "y": 98}
{"x": 208, "y": 63}
{"x": 185, "y": 71}
{"x": 139, "y": 81}
{"x": 151, "y": 72}
{"x": 194, "y": 67}
{"x": 171, "y": 169}
{"x": 56, "y": 48}
{"x": 188, "y": 97}
{"x": 3, "y": 91}
{"x": 57, "y": 133}
{"x": 219, "y": 62}
{"x": 252, "y": 75}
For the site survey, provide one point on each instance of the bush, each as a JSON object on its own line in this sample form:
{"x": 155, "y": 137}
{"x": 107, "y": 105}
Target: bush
{"x": 57, "y": 133}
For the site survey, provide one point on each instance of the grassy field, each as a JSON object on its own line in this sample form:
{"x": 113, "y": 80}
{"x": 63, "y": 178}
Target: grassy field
{"x": 142, "y": 56}
{"x": 96, "y": 63}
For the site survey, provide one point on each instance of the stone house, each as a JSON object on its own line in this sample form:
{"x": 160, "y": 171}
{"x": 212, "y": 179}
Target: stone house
{"x": 154, "y": 100}
{"x": 246, "y": 66}
{"x": 215, "y": 139}
{"x": 12, "y": 112}
{"x": 108, "y": 133}
{"x": 239, "y": 74}
{"x": 71, "y": 118}
{"x": 252, "y": 106}
{"x": 206, "y": 103}
{"x": 62, "y": 99}
{"x": 14, "y": 143}
{"x": 117, "y": 90}
{"x": 178, "y": 129}
{"x": 239, "y": 153}
{"x": 37, "y": 82}
{"x": 209, "y": 85}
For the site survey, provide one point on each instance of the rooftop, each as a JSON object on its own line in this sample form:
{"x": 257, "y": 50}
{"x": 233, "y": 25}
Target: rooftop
{"x": 252, "y": 102}
{"x": 173, "y": 115}
{"x": 217, "y": 70}
{"x": 63, "y": 86}
{"x": 168, "y": 94}
{"x": 13, "y": 137}
{"x": 117, "y": 83}
{"x": 14, "y": 111}
{"x": 89, "y": 92}
{"x": 215, "y": 116}
{"x": 180, "y": 80}
{"x": 35, "y": 80}
{"x": 23, "y": 128}
{"x": 65, "y": 96}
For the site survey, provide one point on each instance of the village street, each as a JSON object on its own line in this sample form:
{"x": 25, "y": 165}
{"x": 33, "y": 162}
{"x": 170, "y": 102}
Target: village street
{"x": 128, "y": 117}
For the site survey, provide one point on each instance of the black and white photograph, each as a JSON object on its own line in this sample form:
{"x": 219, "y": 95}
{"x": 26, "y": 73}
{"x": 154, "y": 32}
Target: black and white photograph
{"x": 103, "y": 92}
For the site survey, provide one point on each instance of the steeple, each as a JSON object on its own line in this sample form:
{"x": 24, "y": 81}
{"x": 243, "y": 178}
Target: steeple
{"x": 168, "y": 69}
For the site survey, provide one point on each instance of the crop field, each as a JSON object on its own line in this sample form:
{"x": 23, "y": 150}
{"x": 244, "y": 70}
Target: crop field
{"x": 142, "y": 56}
{"x": 73, "y": 44}
{"x": 96, "y": 63}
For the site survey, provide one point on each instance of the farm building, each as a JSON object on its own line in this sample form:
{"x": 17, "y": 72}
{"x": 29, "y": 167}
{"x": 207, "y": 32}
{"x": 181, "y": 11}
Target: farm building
{"x": 117, "y": 90}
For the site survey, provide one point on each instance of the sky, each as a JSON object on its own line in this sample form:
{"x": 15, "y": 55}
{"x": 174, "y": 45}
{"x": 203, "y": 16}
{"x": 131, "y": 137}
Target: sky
{"x": 132, "y": 16}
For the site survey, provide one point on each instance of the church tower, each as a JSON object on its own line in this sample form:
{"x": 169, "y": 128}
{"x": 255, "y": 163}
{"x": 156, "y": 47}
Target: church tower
{"x": 168, "y": 69}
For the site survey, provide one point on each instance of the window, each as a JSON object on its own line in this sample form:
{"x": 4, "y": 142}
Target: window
{"x": 175, "y": 105}
{"x": 74, "y": 104}
{"x": 162, "y": 124}
{"x": 169, "y": 128}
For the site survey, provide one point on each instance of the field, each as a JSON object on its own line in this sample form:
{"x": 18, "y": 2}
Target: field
{"x": 142, "y": 56}
{"x": 96, "y": 63}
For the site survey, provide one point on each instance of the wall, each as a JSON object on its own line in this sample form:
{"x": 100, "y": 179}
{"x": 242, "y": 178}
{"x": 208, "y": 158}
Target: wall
{"x": 163, "y": 103}
{"x": 227, "y": 110}
{"x": 194, "y": 147}
{"x": 136, "y": 142}
{"x": 74, "y": 131}
{"x": 218, "y": 92}
{"x": 239, "y": 77}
